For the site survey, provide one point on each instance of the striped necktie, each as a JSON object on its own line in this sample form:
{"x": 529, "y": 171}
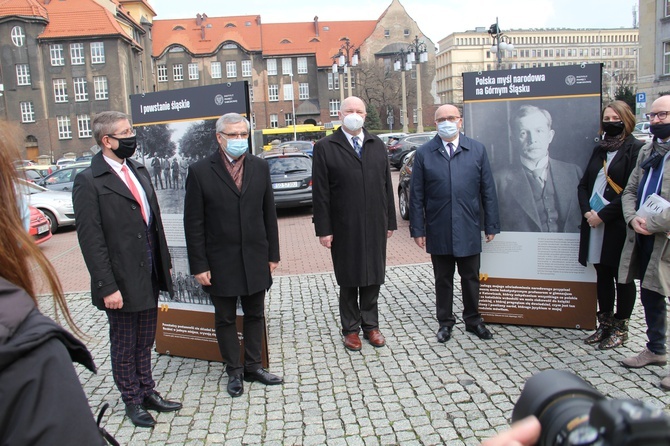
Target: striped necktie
{"x": 357, "y": 145}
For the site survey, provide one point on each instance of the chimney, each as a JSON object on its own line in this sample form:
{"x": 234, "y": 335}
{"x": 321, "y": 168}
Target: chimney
{"x": 198, "y": 19}
{"x": 316, "y": 25}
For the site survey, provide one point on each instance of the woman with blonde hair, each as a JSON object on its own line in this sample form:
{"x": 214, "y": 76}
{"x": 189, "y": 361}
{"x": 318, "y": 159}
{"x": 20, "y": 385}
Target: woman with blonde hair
{"x": 42, "y": 399}
{"x": 603, "y": 229}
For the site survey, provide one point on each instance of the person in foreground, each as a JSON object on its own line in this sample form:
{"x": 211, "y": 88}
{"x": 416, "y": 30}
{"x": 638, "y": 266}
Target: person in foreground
{"x": 121, "y": 236}
{"x": 603, "y": 229}
{"x": 646, "y": 253}
{"x": 451, "y": 182}
{"x": 232, "y": 240}
{"x": 524, "y": 432}
{"x": 42, "y": 400}
{"x": 354, "y": 214}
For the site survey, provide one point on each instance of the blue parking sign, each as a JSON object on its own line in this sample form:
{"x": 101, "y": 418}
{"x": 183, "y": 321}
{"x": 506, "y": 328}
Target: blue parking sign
{"x": 641, "y": 97}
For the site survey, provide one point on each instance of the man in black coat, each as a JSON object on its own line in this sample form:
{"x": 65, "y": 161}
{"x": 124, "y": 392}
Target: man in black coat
{"x": 354, "y": 214}
{"x": 232, "y": 240}
{"x": 121, "y": 237}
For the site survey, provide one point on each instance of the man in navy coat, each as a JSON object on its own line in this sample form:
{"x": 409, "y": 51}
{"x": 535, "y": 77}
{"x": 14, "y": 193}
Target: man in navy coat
{"x": 451, "y": 183}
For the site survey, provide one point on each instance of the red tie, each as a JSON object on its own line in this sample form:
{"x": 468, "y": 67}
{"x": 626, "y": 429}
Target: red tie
{"x": 135, "y": 192}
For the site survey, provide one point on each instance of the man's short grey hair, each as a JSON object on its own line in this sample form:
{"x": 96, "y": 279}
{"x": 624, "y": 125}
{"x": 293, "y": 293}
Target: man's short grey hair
{"x": 231, "y": 118}
{"x": 526, "y": 110}
{"x": 104, "y": 123}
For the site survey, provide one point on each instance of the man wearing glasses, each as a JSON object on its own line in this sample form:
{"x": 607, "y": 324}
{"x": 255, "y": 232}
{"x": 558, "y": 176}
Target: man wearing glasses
{"x": 645, "y": 255}
{"x": 232, "y": 240}
{"x": 451, "y": 181}
{"x": 122, "y": 240}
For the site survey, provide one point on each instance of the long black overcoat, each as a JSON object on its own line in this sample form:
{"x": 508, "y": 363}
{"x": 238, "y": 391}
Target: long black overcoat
{"x": 112, "y": 236}
{"x": 619, "y": 170}
{"x": 353, "y": 202}
{"x": 231, "y": 233}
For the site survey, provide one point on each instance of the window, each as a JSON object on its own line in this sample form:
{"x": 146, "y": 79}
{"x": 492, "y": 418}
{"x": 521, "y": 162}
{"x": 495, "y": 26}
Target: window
{"x": 178, "y": 72}
{"x": 162, "y": 73}
{"x": 667, "y": 8}
{"x": 97, "y": 52}
{"x": 22, "y": 74}
{"x": 288, "y": 92}
{"x": 100, "y": 88}
{"x": 333, "y": 81}
{"x": 287, "y": 65}
{"x": 273, "y": 92}
{"x": 84, "y": 126}
{"x": 334, "y": 106}
{"x": 251, "y": 93}
{"x": 272, "y": 67}
{"x": 387, "y": 33}
{"x": 303, "y": 91}
{"x": 80, "y": 89}
{"x": 302, "y": 65}
{"x": 64, "y": 128}
{"x": 288, "y": 119}
{"x": 274, "y": 121}
{"x": 77, "y": 54}
{"x": 406, "y": 32}
{"x": 27, "y": 112}
{"x": 193, "y": 72}
{"x": 246, "y": 68}
{"x": 60, "y": 90}
{"x": 57, "y": 58}
{"x": 666, "y": 58}
{"x": 215, "y": 68}
{"x": 18, "y": 36}
{"x": 231, "y": 69}
{"x": 415, "y": 116}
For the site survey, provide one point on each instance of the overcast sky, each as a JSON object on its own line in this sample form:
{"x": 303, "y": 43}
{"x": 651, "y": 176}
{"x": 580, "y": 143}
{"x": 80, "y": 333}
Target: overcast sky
{"x": 436, "y": 18}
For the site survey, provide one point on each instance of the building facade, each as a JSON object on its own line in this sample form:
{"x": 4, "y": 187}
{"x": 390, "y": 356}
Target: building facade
{"x": 654, "y": 77}
{"x": 616, "y": 49}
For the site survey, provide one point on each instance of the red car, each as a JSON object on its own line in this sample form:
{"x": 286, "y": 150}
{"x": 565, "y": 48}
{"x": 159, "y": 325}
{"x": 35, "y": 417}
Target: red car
{"x": 40, "y": 228}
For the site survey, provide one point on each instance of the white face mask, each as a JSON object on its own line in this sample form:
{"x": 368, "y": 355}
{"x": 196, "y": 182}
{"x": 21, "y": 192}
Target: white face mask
{"x": 353, "y": 122}
{"x": 447, "y": 129}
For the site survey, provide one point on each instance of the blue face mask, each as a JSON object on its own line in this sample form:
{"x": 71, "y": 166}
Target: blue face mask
{"x": 237, "y": 147}
{"x": 447, "y": 129}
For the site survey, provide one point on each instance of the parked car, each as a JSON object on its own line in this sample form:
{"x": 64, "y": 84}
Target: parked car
{"x": 642, "y": 131}
{"x": 40, "y": 228}
{"x": 32, "y": 175}
{"x": 63, "y": 179}
{"x": 304, "y": 146}
{"x": 401, "y": 149}
{"x": 40, "y": 169}
{"x": 63, "y": 162}
{"x": 403, "y": 185}
{"x": 56, "y": 205}
{"x": 391, "y": 137}
{"x": 291, "y": 175}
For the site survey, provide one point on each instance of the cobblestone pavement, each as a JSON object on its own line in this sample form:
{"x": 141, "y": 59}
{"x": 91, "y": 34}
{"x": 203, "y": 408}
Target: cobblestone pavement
{"x": 414, "y": 391}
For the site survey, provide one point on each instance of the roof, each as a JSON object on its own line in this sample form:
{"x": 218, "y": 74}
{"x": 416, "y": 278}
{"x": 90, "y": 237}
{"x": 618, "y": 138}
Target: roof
{"x": 81, "y": 18}
{"x": 273, "y": 39}
{"x": 22, "y": 8}
{"x": 204, "y": 35}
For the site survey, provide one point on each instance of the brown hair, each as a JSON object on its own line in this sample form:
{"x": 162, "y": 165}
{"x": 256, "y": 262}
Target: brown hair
{"x": 623, "y": 110}
{"x": 18, "y": 251}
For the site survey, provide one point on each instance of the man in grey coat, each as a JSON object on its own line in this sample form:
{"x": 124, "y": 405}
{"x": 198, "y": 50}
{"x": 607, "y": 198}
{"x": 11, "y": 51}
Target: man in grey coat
{"x": 451, "y": 182}
{"x": 354, "y": 214}
{"x": 646, "y": 254}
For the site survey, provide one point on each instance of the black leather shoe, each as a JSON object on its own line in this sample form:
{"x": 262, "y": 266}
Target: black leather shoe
{"x": 443, "y": 334}
{"x": 139, "y": 416}
{"x": 235, "y": 386}
{"x": 157, "y": 403}
{"x": 263, "y": 376}
{"x": 481, "y": 331}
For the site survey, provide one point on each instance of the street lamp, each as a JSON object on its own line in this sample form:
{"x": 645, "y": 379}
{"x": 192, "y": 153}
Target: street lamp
{"x": 501, "y": 43}
{"x": 414, "y": 48}
{"x": 295, "y": 136}
{"x": 611, "y": 83}
{"x": 401, "y": 64}
{"x": 347, "y": 57}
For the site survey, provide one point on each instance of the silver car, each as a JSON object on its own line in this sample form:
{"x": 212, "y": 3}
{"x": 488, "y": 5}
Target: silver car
{"x": 56, "y": 205}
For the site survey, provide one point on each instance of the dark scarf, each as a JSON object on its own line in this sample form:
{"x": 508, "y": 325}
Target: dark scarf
{"x": 236, "y": 169}
{"x": 652, "y": 164}
{"x": 612, "y": 143}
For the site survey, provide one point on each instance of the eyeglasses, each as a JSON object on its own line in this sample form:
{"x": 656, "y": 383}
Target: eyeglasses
{"x": 448, "y": 118}
{"x": 125, "y": 134}
{"x": 235, "y": 135}
{"x": 660, "y": 115}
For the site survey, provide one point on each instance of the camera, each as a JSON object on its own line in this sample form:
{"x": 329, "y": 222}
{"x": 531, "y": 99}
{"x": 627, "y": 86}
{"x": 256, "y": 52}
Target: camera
{"x": 572, "y": 413}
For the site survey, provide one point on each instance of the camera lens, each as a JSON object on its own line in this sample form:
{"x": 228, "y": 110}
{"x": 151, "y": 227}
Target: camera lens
{"x": 562, "y": 402}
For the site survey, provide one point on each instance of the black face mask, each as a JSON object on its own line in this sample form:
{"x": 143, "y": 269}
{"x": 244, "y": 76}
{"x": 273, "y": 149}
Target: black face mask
{"x": 660, "y": 130}
{"x": 126, "y": 146}
{"x": 613, "y": 128}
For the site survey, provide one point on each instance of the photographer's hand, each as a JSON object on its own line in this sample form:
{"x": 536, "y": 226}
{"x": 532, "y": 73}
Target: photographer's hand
{"x": 524, "y": 432}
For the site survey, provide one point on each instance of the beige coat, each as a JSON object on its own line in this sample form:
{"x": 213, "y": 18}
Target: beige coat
{"x": 657, "y": 276}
